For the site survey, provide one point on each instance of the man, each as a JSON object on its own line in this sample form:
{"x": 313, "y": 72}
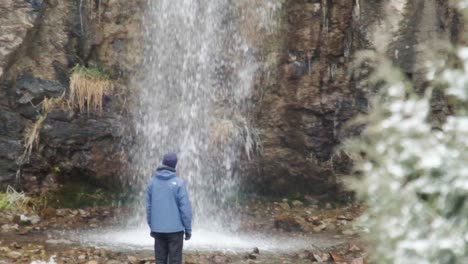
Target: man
{"x": 168, "y": 212}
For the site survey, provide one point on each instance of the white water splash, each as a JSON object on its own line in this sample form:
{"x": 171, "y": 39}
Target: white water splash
{"x": 208, "y": 240}
{"x": 51, "y": 261}
{"x": 194, "y": 95}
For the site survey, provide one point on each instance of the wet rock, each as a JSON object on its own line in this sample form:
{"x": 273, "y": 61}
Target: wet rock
{"x": 30, "y": 87}
{"x": 348, "y": 232}
{"x": 28, "y": 220}
{"x": 251, "y": 256}
{"x": 287, "y": 223}
{"x": 321, "y": 256}
{"x": 297, "y": 203}
{"x": 284, "y": 206}
{"x": 132, "y": 259}
{"x": 331, "y": 227}
{"x": 58, "y": 241}
{"x": 10, "y": 150}
{"x": 220, "y": 259}
{"x": 9, "y": 227}
{"x": 346, "y": 218}
{"x": 48, "y": 212}
{"x": 14, "y": 254}
{"x": 256, "y": 250}
{"x": 311, "y": 200}
{"x": 114, "y": 262}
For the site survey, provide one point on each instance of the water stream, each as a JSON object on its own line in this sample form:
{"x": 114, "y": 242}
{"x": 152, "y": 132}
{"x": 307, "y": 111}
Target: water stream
{"x": 200, "y": 63}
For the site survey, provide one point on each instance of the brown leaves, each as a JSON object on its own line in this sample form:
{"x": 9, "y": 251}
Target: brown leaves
{"x": 343, "y": 254}
{"x": 336, "y": 257}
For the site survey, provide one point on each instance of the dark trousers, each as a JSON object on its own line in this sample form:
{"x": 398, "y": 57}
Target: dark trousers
{"x": 168, "y": 247}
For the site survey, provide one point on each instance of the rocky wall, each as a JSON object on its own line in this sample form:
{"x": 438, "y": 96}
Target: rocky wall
{"x": 301, "y": 109}
{"x": 303, "y": 115}
{"x": 40, "y": 42}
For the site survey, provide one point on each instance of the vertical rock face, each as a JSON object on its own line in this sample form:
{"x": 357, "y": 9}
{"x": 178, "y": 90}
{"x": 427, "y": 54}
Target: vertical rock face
{"x": 40, "y": 41}
{"x": 303, "y": 116}
{"x": 301, "y": 113}
{"x": 17, "y": 18}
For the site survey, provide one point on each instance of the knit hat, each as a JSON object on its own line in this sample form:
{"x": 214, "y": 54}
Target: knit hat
{"x": 170, "y": 160}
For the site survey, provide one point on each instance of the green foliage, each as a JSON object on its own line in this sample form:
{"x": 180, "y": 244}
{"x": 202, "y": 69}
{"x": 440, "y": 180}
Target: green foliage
{"x": 296, "y": 196}
{"x": 88, "y": 85}
{"x": 79, "y": 195}
{"x": 414, "y": 178}
{"x": 92, "y": 72}
{"x": 11, "y": 199}
{"x": 4, "y": 201}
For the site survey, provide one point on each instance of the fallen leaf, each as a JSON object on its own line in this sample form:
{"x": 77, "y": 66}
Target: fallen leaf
{"x": 321, "y": 256}
{"x": 336, "y": 257}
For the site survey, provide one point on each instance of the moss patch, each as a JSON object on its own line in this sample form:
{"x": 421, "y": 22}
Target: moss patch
{"x": 80, "y": 195}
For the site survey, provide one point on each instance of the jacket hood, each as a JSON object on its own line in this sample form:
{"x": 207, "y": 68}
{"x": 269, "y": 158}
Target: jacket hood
{"x": 165, "y": 172}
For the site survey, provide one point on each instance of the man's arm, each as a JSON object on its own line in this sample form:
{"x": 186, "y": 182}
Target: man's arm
{"x": 149, "y": 190}
{"x": 185, "y": 208}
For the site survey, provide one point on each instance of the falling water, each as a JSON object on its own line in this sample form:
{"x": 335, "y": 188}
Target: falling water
{"x": 193, "y": 99}
{"x": 201, "y": 57}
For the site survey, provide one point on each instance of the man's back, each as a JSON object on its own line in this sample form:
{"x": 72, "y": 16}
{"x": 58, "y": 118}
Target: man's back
{"x": 168, "y": 212}
{"x": 168, "y": 205}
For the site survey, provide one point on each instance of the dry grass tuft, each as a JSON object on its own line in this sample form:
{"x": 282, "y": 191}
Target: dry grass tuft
{"x": 12, "y": 199}
{"x": 31, "y": 134}
{"x": 88, "y": 87}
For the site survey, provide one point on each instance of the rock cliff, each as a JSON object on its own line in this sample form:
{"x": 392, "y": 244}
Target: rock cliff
{"x": 303, "y": 115}
{"x": 40, "y": 42}
{"x": 301, "y": 112}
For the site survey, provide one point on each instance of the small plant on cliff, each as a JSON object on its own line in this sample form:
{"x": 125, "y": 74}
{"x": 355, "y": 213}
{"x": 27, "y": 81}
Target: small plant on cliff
{"x": 11, "y": 199}
{"x": 414, "y": 177}
{"x": 88, "y": 85}
{"x": 31, "y": 133}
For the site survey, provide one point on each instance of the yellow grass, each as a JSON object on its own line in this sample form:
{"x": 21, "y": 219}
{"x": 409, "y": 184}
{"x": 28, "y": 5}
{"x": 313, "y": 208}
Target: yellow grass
{"x": 88, "y": 87}
{"x": 31, "y": 134}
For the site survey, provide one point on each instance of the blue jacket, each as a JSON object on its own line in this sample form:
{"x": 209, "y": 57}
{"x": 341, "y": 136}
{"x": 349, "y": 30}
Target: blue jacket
{"x": 168, "y": 208}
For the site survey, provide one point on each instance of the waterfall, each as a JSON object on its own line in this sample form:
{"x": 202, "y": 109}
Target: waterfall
{"x": 194, "y": 95}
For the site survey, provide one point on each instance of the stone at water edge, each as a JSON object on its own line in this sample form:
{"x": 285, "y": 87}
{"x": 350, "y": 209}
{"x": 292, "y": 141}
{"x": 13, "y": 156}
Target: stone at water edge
{"x": 285, "y": 206}
{"x": 348, "y": 232}
{"x": 251, "y": 256}
{"x": 346, "y": 218}
{"x": 287, "y": 223}
{"x": 256, "y": 250}
{"x": 48, "y": 212}
{"x": 220, "y": 259}
{"x": 114, "y": 262}
{"x": 297, "y": 203}
{"x": 321, "y": 256}
{"x": 58, "y": 241}
{"x": 132, "y": 259}
{"x": 14, "y": 254}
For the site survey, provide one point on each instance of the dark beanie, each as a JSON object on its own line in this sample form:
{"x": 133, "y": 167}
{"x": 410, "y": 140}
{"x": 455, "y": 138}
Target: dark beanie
{"x": 170, "y": 160}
